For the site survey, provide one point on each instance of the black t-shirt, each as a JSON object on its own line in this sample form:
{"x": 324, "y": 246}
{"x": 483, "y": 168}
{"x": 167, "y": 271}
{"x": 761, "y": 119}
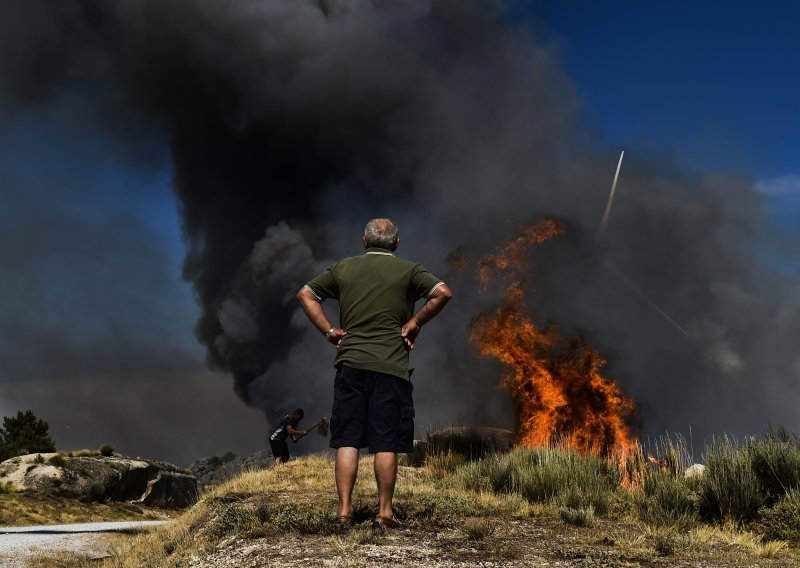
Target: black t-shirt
{"x": 279, "y": 432}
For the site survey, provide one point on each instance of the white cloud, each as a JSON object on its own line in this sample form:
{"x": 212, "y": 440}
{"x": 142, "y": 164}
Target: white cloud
{"x": 782, "y": 187}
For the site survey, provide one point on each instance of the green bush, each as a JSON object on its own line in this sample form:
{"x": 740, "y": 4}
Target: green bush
{"x": 38, "y": 459}
{"x": 96, "y": 493}
{"x": 730, "y": 490}
{"x": 106, "y": 450}
{"x": 596, "y": 496}
{"x": 230, "y": 519}
{"x": 479, "y": 529}
{"x": 664, "y": 544}
{"x": 667, "y": 501}
{"x": 777, "y": 465}
{"x": 583, "y": 517}
{"x": 542, "y": 474}
{"x": 782, "y": 522}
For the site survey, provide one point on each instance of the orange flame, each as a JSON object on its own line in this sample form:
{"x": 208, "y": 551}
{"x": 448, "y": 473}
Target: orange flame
{"x": 560, "y": 394}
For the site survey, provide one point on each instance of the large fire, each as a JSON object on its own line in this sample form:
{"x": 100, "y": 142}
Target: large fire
{"x": 560, "y": 394}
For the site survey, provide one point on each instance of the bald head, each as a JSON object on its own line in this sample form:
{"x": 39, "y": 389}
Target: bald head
{"x": 381, "y": 233}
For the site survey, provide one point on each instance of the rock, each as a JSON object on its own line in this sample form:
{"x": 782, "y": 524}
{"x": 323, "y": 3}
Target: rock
{"x": 694, "y": 470}
{"x": 171, "y": 490}
{"x": 101, "y": 478}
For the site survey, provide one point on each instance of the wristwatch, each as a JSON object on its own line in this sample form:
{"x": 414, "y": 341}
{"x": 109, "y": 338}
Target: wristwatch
{"x": 329, "y": 332}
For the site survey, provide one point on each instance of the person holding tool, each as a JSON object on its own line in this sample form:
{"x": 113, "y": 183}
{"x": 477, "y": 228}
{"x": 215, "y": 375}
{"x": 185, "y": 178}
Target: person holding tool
{"x": 283, "y": 429}
{"x": 373, "y": 405}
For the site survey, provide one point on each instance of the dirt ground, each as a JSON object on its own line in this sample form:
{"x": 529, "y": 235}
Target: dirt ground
{"x": 544, "y": 541}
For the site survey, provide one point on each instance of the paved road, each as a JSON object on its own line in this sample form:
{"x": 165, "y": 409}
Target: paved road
{"x": 18, "y": 543}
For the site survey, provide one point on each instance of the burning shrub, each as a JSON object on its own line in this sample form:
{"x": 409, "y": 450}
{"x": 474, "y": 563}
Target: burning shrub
{"x": 557, "y": 385}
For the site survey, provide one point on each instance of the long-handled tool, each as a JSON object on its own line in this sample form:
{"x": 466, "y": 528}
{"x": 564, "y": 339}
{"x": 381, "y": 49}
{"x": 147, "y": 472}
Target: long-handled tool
{"x": 321, "y": 426}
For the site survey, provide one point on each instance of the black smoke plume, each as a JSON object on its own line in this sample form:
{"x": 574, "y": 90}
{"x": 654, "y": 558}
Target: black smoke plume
{"x": 292, "y": 122}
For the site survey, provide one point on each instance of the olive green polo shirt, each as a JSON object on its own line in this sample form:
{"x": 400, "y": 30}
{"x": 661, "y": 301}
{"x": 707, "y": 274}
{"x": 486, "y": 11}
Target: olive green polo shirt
{"x": 376, "y": 293}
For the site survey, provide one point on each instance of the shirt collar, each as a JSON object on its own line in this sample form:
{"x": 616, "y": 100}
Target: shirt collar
{"x": 378, "y": 250}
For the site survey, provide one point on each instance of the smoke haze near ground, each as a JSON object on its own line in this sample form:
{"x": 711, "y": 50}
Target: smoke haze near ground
{"x": 291, "y": 123}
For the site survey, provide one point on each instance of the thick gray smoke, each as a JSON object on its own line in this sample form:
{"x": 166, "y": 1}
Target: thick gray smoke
{"x": 292, "y": 122}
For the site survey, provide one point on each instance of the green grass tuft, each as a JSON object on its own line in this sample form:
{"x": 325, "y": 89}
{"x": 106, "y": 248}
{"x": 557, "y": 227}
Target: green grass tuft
{"x": 583, "y": 517}
{"x": 479, "y": 529}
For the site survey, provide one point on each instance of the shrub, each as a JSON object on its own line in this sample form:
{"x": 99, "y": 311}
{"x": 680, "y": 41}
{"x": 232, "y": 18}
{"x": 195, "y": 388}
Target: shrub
{"x": 782, "y": 522}
{"x": 435, "y": 506}
{"x": 303, "y": 519}
{"x": 106, "y": 450}
{"x": 595, "y": 495}
{"x": 583, "y": 517}
{"x": 85, "y": 453}
{"x": 369, "y": 537}
{"x": 664, "y": 545}
{"x": 38, "y": 459}
{"x": 777, "y": 465}
{"x": 58, "y": 460}
{"x": 479, "y": 529}
{"x": 229, "y": 519}
{"x": 96, "y": 493}
{"x": 730, "y": 490}
{"x": 667, "y": 501}
{"x": 460, "y": 444}
{"x": 543, "y": 474}
{"x": 671, "y": 454}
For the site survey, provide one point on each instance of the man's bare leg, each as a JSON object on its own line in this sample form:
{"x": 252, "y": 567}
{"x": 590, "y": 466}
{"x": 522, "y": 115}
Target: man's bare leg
{"x": 278, "y": 461}
{"x": 385, "y": 477}
{"x": 346, "y": 470}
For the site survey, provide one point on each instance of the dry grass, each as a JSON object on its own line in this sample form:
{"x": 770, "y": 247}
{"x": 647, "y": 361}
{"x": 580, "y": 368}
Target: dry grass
{"x": 26, "y": 508}
{"x": 297, "y": 501}
{"x": 299, "y": 497}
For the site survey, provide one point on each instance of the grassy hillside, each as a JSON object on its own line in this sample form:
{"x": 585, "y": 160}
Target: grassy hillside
{"x": 529, "y": 507}
{"x": 49, "y": 508}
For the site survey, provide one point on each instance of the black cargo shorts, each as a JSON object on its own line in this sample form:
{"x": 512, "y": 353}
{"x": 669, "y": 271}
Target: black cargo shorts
{"x": 372, "y": 410}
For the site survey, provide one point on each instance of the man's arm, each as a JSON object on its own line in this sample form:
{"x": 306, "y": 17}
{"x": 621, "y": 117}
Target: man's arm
{"x": 294, "y": 433}
{"x": 429, "y": 310}
{"x": 312, "y": 307}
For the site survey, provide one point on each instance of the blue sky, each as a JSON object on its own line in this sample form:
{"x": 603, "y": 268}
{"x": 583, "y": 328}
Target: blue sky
{"x": 715, "y": 84}
{"x": 91, "y": 227}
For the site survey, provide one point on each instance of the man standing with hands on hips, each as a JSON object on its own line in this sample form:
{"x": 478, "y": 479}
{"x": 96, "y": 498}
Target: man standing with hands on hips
{"x": 372, "y": 405}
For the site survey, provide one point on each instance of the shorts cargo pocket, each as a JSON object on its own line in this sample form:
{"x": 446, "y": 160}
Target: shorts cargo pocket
{"x": 407, "y": 426}
{"x": 334, "y": 421}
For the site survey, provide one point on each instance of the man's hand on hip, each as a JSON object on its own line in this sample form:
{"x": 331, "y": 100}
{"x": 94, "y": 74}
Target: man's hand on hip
{"x": 336, "y": 336}
{"x": 409, "y": 332}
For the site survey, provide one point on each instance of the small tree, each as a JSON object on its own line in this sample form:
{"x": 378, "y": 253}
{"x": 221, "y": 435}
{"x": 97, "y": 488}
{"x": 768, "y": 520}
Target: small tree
{"x": 24, "y": 434}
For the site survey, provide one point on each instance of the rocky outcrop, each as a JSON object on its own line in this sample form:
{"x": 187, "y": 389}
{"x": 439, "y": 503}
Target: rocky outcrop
{"x": 101, "y": 478}
{"x": 171, "y": 490}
